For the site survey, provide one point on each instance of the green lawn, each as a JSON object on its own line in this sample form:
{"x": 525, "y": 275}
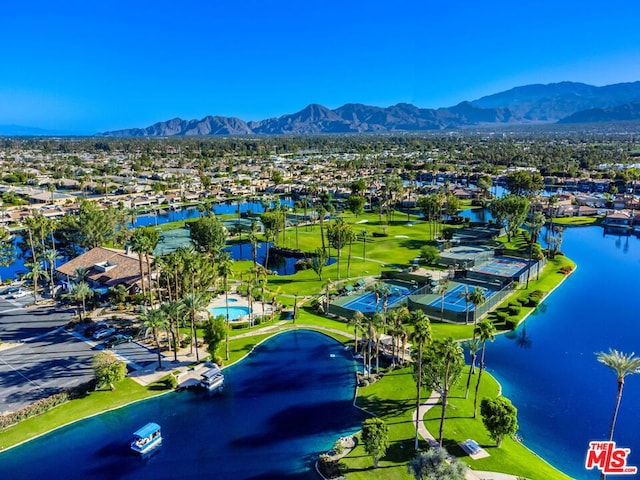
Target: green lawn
{"x": 393, "y": 399}
{"x": 577, "y": 221}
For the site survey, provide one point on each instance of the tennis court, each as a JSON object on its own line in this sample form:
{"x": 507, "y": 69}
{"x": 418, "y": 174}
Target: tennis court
{"x": 366, "y": 303}
{"x": 502, "y": 267}
{"x": 454, "y": 298}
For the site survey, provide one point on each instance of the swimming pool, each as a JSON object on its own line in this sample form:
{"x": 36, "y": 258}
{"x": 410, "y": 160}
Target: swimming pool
{"x": 235, "y": 313}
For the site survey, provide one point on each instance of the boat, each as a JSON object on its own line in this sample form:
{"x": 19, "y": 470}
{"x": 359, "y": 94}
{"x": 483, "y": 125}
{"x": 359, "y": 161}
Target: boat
{"x": 146, "y": 438}
{"x": 212, "y": 379}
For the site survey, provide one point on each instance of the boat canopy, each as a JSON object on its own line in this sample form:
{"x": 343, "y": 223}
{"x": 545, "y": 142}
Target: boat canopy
{"x": 212, "y": 372}
{"x": 148, "y": 430}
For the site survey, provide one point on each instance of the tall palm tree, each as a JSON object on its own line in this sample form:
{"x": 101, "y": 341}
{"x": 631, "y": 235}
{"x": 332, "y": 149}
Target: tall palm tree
{"x": 153, "y": 321}
{"x": 357, "y": 321}
{"x": 485, "y": 331}
{"x": 194, "y": 303}
{"x": 477, "y": 297}
{"x": 173, "y": 310}
{"x": 379, "y": 326}
{"x": 466, "y": 295}
{"x": 623, "y": 365}
{"x": 453, "y": 359}
{"x": 421, "y": 337}
{"x": 535, "y": 224}
{"x": 441, "y": 289}
{"x": 138, "y": 243}
{"x": 51, "y": 256}
{"x": 473, "y": 345}
{"x": 224, "y": 270}
{"x": 36, "y": 270}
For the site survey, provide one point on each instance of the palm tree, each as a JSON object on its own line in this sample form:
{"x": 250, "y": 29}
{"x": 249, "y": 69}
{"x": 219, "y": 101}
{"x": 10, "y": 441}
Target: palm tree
{"x": 379, "y": 325}
{"x": 485, "y": 331}
{"x": 357, "y": 321}
{"x": 36, "y": 270}
{"x": 453, "y": 358}
{"x": 194, "y": 303}
{"x": 224, "y": 270}
{"x": 441, "y": 289}
{"x": 467, "y": 298}
{"x": 79, "y": 292}
{"x": 473, "y": 345}
{"x": 421, "y": 337}
{"x": 363, "y": 233}
{"x": 51, "y": 256}
{"x": 138, "y": 243}
{"x": 535, "y": 223}
{"x": 478, "y": 298}
{"x": 173, "y": 311}
{"x": 623, "y": 365}
{"x": 154, "y": 320}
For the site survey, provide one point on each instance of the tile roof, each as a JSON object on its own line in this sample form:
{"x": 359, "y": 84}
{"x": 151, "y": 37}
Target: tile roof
{"x": 125, "y": 267}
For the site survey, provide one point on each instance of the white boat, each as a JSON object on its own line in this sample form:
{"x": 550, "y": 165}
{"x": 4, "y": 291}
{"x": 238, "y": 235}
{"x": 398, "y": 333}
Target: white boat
{"x": 212, "y": 379}
{"x": 146, "y": 438}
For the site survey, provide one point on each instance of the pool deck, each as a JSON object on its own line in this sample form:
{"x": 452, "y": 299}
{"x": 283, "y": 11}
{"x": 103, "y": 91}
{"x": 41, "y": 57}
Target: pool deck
{"x": 236, "y": 300}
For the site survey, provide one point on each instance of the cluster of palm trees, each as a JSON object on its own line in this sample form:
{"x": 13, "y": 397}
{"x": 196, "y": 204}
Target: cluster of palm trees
{"x": 444, "y": 362}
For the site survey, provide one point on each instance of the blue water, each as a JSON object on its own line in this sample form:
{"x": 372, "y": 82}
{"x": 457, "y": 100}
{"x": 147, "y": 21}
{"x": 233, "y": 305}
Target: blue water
{"x": 229, "y": 208}
{"x": 282, "y": 406}
{"x": 565, "y": 398}
{"x": 234, "y": 312}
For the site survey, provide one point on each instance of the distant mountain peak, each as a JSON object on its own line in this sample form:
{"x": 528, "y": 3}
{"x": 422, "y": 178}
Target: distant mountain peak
{"x": 536, "y": 103}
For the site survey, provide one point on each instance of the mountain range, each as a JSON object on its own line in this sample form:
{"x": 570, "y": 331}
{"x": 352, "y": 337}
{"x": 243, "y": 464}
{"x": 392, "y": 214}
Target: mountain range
{"x": 564, "y": 102}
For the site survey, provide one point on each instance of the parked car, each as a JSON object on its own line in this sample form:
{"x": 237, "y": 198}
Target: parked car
{"x": 104, "y": 333}
{"x": 19, "y": 294}
{"x": 118, "y": 339}
{"x": 10, "y": 290}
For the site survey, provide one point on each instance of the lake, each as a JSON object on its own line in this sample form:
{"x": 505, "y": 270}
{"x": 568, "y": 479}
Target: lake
{"x": 281, "y": 406}
{"x": 565, "y": 398}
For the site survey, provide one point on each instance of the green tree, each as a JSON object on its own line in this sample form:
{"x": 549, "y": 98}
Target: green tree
{"x": 421, "y": 338}
{"x": 338, "y": 236}
{"x": 499, "y": 417}
{"x": 108, "y": 369}
{"x": 79, "y": 292}
{"x": 194, "y": 303}
{"x": 429, "y": 254}
{"x": 318, "y": 261}
{"x": 485, "y": 331}
{"x": 357, "y": 321}
{"x": 225, "y": 269}
{"x": 153, "y": 321}
{"x": 355, "y": 203}
{"x": 215, "y": 331}
{"x": 535, "y": 224}
{"x": 442, "y": 367}
{"x": 473, "y": 345}
{"x": 477, "y": 297}
{"x": 435, "y": 465}
{"x": 7, "y": 250}
{"x": 623, "y": 365}
{"x": 524, "y": 183}
{"x": 375, "y": 438}
{"x": 209, "y": 235}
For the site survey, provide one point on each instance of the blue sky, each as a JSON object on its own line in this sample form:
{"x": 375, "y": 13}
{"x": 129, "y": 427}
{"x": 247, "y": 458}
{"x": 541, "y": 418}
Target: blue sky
{"x": 88, "y": 66}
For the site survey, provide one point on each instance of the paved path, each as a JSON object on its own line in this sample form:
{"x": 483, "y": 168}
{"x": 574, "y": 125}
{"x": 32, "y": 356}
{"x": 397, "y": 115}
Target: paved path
{"x": 424, "y": 433}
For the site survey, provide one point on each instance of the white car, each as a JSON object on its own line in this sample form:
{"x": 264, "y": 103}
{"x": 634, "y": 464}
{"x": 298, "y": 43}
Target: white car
{"x": 19, "y": 294}
{"x": 104, "y": 333}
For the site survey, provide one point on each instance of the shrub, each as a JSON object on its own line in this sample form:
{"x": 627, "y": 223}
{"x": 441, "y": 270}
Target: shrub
{"x": 502, "y": 316}
{"x": 511, "y": 323}
{"x": 171, "y": 382}
{"x": 513, "y": 310}
{"x": 380, "y": 234}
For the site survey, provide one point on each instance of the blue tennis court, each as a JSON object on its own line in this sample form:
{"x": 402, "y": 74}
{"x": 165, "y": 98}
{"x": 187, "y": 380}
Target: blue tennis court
{"x": 454, "y": 298}
{"x": 367, "y": 303}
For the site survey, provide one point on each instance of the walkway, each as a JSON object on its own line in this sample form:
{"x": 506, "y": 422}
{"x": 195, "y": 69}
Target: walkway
{"x": 424, "y": 433}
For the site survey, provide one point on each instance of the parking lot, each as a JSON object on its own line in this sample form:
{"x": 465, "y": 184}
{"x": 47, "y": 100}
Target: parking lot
{"x": 39, "y": 357}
